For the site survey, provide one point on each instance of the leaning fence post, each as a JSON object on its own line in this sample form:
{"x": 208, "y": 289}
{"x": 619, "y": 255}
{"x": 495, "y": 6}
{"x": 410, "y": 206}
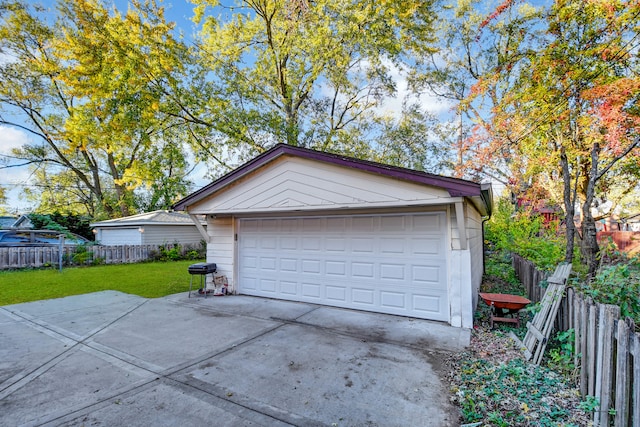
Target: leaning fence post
{"x": 60, "y": 249}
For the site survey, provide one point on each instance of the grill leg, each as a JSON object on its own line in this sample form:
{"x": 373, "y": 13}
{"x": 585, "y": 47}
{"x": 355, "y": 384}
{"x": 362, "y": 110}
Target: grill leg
{"x": 190, "y": 284}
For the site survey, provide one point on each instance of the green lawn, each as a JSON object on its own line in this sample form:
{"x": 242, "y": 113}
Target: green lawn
{"x": 150, "y": 280}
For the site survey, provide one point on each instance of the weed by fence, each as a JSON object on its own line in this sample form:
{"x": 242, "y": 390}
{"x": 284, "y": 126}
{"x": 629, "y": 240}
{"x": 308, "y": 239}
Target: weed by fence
{"x": 607, "y": 350}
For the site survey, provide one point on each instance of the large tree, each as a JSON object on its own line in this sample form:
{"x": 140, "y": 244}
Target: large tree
{"x": 563, "y": 100}
{"x": 304, "y": 73}
{"x": 85, "y": 81}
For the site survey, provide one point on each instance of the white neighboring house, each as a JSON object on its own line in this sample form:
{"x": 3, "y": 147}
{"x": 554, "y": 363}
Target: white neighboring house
{"x": 152, "y": 228}
{"x": 303, "y": 225}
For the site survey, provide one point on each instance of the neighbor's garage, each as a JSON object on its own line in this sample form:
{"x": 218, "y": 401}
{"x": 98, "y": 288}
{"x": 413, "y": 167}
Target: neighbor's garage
{"x": 393, "y": 264}
{"x": 309, "y": 226}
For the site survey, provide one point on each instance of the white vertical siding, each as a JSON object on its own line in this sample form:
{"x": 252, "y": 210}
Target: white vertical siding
{"x": 476, "y": 248}
{"x": 221, "y": 248}
{"x": 169, "y": 234}
{"x": 453, "y": 228}
{"x": 466, "y": 266}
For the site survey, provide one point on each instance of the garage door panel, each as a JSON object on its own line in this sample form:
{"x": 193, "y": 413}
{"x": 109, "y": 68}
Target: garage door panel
{"x": 393, "y": 245}
{"x": 362, "y": 245}
{"x": 312, "y": 290}
{"x": 336, "y": 244}
{"x": 426, "y": 274}
{"x": 289, "y": 264}
{"x": 429, "y": 246}
{"x": 289, "y": 288}
{"x": 337, "y": 224}
{"x": 392, "y": 272}
{"x": 249, "y": 242}
{"x": 427, "y": 304}
{"x": 288, "y": 243}
{"x": 313, "y": 224}
{"x": 337, "y": 293}
{"x": 249, "y": 283}
{"x": 374, "y": 263}
{"x": 268, "y": 243}
{"x": 268, "y": 285}
{"x": 394, "y": 223}
{"x": 268, "y": 263}
{"x": 362, "y": 296}
{"x": 393, "y": 300}
{"x": 362, "y": 270}
{"x": 310, "y": 266}
{"x": 422, "y": 223}
{"x": 363, "y": 224}
{"x": 249, "y": 262}
{"x": 336, "y": 268}
{"x": 312, "y": 244}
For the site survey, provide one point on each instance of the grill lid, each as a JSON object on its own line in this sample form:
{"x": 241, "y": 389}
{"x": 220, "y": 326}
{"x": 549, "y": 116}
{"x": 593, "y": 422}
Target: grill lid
{"x": 202, "y": 268}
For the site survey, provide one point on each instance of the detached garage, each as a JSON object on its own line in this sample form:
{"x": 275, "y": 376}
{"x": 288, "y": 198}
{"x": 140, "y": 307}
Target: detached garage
{"x": 304, "y": 225}
{"x": 152, "y": 228}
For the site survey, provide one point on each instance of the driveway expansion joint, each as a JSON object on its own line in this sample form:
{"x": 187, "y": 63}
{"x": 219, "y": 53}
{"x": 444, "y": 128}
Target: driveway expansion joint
{"x": 212, "y": 378}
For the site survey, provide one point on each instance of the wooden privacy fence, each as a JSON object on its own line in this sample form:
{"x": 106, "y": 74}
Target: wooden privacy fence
{"x": 607, "y": 352}
{"x": 48, "y": 255}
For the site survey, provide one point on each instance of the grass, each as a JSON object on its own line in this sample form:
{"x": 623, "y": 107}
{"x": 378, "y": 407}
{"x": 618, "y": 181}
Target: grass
{"x": 149, "y": 280}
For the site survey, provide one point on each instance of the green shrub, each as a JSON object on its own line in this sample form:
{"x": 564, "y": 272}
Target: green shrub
{"x": 522, "y": 232}
{"x": 562, "y": 352}
{"x": 81, "y": 255}
{"x": 177, "y": 252}
{"x": 618, "y": 284}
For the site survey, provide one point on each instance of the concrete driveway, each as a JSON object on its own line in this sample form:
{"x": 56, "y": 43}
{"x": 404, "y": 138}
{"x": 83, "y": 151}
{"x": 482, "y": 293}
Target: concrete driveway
{"x": 110, "y": 358}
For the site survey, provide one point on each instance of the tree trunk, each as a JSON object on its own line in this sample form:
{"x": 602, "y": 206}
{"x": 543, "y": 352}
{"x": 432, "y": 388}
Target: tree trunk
{"x": 589, "y": 250}
{"x": 569, "y": 207}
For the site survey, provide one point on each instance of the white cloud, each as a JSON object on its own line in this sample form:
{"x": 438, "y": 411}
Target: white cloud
{"x": 13, "y": 179}
{"x": 393, "y": 105}
{"x": 11, "y": 138}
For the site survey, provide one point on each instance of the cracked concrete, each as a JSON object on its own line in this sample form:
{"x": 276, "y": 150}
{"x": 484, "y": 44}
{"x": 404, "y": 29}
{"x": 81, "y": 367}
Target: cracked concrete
{"x": 110, "y": 358}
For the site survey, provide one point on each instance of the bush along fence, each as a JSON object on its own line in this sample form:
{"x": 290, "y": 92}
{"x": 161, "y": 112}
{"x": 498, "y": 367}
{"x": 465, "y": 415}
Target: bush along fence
{"x": 607, "y": 350}
{"x": 49, "y": 255}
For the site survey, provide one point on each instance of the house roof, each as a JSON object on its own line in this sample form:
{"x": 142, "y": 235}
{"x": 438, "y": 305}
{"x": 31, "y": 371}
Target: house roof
{"x": 7, "y": 221}
{"x": 160, "y": 217}
{"x": 454, "y": 186}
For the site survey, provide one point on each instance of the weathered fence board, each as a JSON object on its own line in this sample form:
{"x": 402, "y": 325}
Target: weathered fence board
{"x": 49, "y": 255}
{"x": 635, "y": 388}
{"x": 623, "y": 382}
{"x": 604, "y": 364}
{"x": 607, "y": 351}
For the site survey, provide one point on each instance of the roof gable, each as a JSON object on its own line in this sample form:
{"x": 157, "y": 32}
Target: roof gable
{"x": 160, "y": 217}
{"x": 298, "y": 178}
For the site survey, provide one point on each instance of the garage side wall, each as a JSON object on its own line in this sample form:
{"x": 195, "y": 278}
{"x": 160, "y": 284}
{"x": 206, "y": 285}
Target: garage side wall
{"x": 221, "y": 247}
{"x": 167, "y": 234}
{"x": 466, "y": 267}
{"x": 476, "y": 249}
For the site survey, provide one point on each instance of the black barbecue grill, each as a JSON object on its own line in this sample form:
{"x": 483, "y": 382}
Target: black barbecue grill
{"x": 201, "y": 269}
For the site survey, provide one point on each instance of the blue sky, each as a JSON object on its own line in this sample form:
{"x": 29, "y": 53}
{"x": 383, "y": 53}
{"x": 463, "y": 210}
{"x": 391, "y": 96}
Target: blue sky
{"x": 14, "y": 180}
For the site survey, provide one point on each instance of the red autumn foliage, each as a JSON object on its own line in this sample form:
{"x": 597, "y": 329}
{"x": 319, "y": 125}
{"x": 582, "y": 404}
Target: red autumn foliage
{"x": 499, "y": 10}
{"x": 610, "y": 106}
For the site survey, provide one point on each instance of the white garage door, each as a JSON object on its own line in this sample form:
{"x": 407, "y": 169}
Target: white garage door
{"x": 119, "y": 236}
{"x": 393, "y": 264}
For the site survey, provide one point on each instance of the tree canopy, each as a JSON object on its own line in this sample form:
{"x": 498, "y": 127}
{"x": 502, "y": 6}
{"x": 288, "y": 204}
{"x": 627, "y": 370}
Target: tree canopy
{"x": 85, "y": 83}
{"x": 311, "y": 74}
{"x": 557, "y": 103}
